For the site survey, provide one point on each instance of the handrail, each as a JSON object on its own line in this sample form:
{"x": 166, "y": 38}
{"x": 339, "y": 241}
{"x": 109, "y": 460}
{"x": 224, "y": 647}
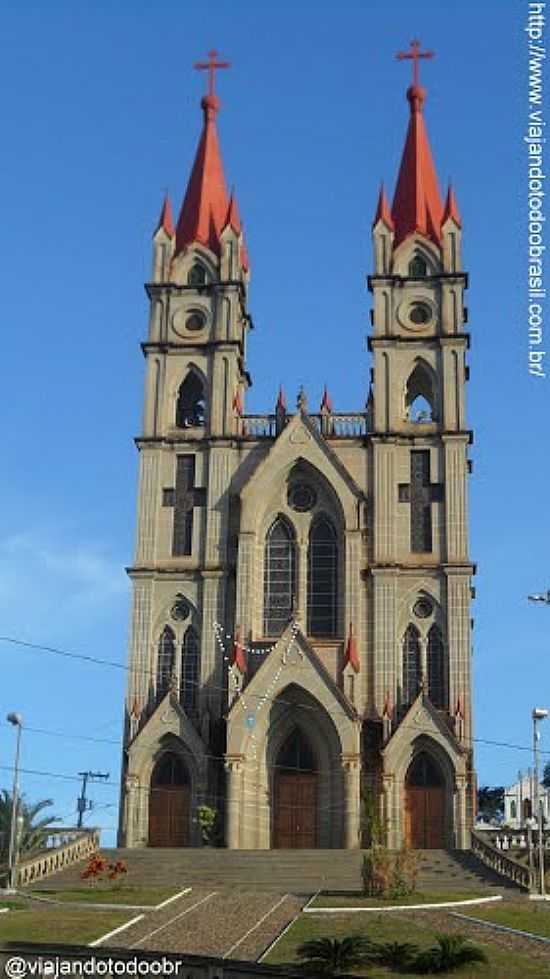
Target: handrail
{"x": 499, "y": 861}
{"x": 75, "y": 845}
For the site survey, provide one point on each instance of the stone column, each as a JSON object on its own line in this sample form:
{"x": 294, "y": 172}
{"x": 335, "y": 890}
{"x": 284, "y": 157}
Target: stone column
{"x": 460, "y": 832}
{"x": 234, "y": 769}
{"x": 352, "y": 768}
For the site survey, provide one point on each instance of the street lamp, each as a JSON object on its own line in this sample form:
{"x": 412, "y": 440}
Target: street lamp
{"x": 540, "y": 597}
{"x": 17, "y": 722}
{"x": 539, "y": 714}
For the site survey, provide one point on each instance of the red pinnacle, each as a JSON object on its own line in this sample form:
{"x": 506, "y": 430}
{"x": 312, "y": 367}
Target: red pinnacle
{"x": 352, "y": 655}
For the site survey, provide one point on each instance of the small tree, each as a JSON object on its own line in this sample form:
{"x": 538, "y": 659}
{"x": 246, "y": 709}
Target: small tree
{"x": 490, "y": 803}
{"x": 546, "y": 776}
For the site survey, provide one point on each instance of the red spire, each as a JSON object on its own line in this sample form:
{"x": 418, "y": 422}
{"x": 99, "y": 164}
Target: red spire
{"x": 281, "y": 400}
{"x": 451, "y": 208}
{"x": 205, "y": 205}
{"x": 166, "y": 221}
{"x": 238, "y": 657}
{"x": 383, "y": 212}
{"x": 351, "y": 655}
{"x": 417, "y": 202}
{"x": 326, "y": 403}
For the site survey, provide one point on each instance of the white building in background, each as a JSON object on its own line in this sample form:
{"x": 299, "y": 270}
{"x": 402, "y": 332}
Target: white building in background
{"x": 519, "y": 801}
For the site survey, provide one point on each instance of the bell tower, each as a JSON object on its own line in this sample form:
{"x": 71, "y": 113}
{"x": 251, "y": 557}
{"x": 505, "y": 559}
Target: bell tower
{"x": 195, "y": 384}
{"x": 420, "y": 571}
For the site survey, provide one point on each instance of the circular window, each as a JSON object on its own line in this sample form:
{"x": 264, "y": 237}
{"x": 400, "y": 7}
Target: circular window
{"x": 181, "y": 609}
{"x": 423, "y": 608}
{"x": 301, "y": 497}
{"x": 194, "y": 322}
{"x": 419, "y": 314}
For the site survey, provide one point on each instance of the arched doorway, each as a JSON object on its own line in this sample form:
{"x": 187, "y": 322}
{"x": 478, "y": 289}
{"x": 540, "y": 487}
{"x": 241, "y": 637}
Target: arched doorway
{"x": 424, "y": 804}
{"x": 295, "y": 795}
{"x": 169, "y": 802}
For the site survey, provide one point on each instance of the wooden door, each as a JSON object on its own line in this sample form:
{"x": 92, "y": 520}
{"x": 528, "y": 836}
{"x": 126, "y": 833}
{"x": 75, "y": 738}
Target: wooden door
{"x": 169, "y": 816}
{"x": 295, "y": 815}
{"x": 425, "y": 817}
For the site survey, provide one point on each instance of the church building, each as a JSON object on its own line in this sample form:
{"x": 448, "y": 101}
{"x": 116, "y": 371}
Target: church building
{"x": 300, "y": 647}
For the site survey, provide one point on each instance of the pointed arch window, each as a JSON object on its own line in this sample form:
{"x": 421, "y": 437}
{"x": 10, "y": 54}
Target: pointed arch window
{"x": 279, "y": 577}
{"x": 420, "y": 395}
{"x": 197, "y": 275}
{"x": 418, "y": 267}
{"x": 165, "y": 661}
{"x": 437, "y": 685}
{"x": 190, "y": 670}
{"x": 322, "y": 593}
{"x": 412, "y": 668}
{"x": 191, "y": 403}
{"x": 296, "y": 754}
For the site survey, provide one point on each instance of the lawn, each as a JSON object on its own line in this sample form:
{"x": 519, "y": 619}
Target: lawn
{"x": 527, "y": 916}
{"x": 143, "y": 896}
{"x": 71, "y": 926}
{"x": 355, "y": 900}
{"x": 386, "y": 928}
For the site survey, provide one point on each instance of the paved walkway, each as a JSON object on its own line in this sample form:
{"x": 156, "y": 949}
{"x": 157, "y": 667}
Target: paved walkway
{"x": 233, "y": 923}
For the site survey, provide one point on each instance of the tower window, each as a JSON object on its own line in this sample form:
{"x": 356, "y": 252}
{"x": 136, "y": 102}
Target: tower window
{"x": 418, "y": 267}
{"x": 420, "y": 314}
{"x": 186, "y": 498}
{"x": 322, "y": 579}
{"x": 165, "y": 661}
{"x": 189, "y": 676}
{"x": 411, "y": 665}
{"x": 419, "y": 395}
{"x": 191, "y": 403}
{"x": 279, "y": 577}
{"x": 436, "y": 669}
{"x": 195, "y": 322}
{"x": 197, "y": 275}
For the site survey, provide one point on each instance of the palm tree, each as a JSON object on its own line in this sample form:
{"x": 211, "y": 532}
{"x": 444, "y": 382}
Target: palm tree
{"x": 397, "y": 955}
{"x": 449, "y": 954}
{"x": 33, "y": 831}
{"x": 332, "y": 956}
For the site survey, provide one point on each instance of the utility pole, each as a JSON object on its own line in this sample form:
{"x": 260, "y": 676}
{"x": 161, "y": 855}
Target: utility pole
{"x": 82, "y": 803}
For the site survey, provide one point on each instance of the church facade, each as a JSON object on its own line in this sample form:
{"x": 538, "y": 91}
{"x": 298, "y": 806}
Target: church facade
{"x": 300, "y": 645}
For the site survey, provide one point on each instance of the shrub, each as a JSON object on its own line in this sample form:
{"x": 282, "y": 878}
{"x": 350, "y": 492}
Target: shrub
{"x": 387, "y": 874}
{"x": 207, "y": 818}
{"x": 450, "y": 953}
{"x": 332, "y": 956}
{"x": 397, "y": 955}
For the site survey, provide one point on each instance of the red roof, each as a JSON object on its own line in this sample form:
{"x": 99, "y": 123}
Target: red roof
{"x": 166, "y": 221}
{"x": 417, "y": 204}
{"x": 204, "y": 211}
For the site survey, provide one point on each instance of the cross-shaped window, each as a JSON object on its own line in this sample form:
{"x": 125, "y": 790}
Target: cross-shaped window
{"x": 184, "y": 498}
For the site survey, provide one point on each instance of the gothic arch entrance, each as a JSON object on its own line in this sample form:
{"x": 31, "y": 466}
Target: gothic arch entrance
{"x": 295, "y": 794}
{"x": 169, "y": 802}
{"x": 424, "y": 804}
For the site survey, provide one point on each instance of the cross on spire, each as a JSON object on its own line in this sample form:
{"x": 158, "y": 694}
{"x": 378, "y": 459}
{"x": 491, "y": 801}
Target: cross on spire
{"x": 414, "y": 55}
{"x": 211, "y": 66}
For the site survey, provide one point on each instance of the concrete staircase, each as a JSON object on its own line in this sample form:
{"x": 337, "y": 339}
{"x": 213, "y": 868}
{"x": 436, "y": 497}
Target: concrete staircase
{"x": 290, "y": 871}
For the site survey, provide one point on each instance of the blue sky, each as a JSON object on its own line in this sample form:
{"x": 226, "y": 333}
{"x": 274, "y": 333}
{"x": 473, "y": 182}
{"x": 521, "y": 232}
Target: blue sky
{"x": 101, "y": 115}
